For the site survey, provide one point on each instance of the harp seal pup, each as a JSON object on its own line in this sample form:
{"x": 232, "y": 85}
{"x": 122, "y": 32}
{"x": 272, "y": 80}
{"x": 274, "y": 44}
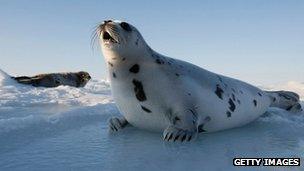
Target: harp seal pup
{"x": 74, "y": 79}
{"x": 159, "y": 93}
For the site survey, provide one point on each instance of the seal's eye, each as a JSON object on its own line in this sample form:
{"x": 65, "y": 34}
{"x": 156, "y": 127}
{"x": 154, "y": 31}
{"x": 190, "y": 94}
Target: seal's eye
{"x": 125, "y": 26}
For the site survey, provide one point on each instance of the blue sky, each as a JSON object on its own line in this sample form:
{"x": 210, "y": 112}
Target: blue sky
{"x": 261, "y": 42}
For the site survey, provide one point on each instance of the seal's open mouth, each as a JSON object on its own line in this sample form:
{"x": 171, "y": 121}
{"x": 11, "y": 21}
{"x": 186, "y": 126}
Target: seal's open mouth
{"x": 108, "y": 38}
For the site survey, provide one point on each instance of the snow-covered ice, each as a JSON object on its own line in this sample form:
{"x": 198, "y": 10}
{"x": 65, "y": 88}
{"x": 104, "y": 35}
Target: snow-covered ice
{"x": 65, "y": 128}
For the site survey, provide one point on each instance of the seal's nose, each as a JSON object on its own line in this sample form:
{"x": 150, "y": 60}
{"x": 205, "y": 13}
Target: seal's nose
{"x": 107, "y": 21}
{"x": 103, "y": 24}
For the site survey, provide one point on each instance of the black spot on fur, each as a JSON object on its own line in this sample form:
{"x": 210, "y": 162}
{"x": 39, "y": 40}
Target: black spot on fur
{"x": 136, "y": 42}
{"x": 260, "y": 94}
{"x": 139, "y": 90}
{"x": 123, "y": 59}
{"x": 255, "y": 102}
{"x": 159, "y": 61}
{"x": 239, "y": 102}
{"x": 114, "y": 75}
{"x": 228, "y": 113}
{"x": 219, "y": 92}
{"x": 189, "y": 94}
{"x": 232, "y": 105}
{"x": 146, "y": 109}
{"x": 175, "y": 119}
{"x": 110, "y": 64}
{"x": 274, "y": 99}
{"x": 134, "y": 68}
{"x": 177, "y": 74}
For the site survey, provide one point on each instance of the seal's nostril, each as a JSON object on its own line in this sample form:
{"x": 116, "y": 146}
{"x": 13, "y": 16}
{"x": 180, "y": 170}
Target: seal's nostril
{"x": 107, "y": 21}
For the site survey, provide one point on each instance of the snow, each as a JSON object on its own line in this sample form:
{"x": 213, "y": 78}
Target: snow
{"x": 65, "y": 128}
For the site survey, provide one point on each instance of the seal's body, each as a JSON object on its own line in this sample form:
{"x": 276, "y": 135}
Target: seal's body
{"x": 149, "y": 97}
{"x": 77, "y": 79}
{"x": 159, "y": 93}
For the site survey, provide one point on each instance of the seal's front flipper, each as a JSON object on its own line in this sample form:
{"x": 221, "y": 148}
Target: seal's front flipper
{"x": 116, "y": 124}
{"x": 177, "y": 134}
{"x": 183, "y": 125}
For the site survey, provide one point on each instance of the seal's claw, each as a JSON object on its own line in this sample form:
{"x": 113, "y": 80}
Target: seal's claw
{"x": 183, "y": 137}
{"x": 178, "y": 135}
{"x": 116, "y": 124}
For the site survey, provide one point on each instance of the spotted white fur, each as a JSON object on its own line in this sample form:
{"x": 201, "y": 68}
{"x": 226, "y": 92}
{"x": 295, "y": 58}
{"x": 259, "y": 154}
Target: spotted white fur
{"x": 170, "y": 95}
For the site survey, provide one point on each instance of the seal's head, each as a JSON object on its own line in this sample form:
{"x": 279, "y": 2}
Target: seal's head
{"x": 120, "y": 40}
{"x": 83, "y": 78}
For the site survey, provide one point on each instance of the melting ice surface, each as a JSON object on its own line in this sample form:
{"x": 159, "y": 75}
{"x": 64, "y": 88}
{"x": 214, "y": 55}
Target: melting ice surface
{"x": 65, "y": 128}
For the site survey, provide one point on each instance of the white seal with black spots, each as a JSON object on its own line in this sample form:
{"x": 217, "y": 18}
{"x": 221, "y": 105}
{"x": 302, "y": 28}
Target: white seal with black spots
{"x": 159, "y": 93}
